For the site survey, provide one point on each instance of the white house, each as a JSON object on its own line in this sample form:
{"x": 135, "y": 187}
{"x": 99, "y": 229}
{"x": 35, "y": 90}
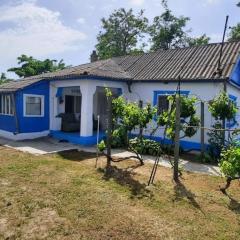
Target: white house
{"x": 65, "y": 104}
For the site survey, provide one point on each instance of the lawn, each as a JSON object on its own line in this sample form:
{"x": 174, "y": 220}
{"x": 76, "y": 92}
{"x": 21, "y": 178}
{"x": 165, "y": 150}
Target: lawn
{"x": 63, "y": 196}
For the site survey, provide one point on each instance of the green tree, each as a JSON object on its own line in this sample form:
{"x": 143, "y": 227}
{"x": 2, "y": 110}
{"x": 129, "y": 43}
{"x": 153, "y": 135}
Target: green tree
{"x": 235, "y": 33}
{"x": 198, "y": 41}
{"x": 167, "y": 30}
{"x": 31, "y": 66}
{"x": 4, "y": 79}
{"x": 121, "y": 33}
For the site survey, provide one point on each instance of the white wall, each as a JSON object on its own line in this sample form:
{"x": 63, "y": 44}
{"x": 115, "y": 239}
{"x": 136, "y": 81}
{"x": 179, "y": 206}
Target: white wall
{"x": 140, "y": 91}
{"x": 87, "y": 88}
{"x": 204, "y": 91}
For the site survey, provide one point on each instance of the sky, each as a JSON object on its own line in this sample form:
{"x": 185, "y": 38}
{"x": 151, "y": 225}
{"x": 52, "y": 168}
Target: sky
{"x": 67, "y": 29}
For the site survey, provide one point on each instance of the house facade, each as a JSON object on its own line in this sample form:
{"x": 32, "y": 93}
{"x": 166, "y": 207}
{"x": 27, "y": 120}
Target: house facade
{"x": 66, "y": 103}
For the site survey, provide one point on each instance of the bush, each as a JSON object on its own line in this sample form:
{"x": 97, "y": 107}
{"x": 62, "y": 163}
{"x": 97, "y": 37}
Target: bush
{"x": 101, "y": 146}
{"x": 230, "y": 162}
{"x": 222, "y": 107}
{"x": 145, "y": 146}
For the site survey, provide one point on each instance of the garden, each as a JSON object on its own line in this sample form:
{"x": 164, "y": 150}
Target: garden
{"x": 179, "y": 121}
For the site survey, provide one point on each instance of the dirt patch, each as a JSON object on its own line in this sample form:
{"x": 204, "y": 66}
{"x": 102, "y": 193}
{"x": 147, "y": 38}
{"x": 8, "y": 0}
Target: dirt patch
{"x": 45, "y": 223}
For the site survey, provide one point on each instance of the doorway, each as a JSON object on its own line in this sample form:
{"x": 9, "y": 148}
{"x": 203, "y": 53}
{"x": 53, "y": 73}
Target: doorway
{"x": 73, "y": 104}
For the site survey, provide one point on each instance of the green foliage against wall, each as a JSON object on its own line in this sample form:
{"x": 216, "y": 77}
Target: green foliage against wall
{"x": 221, "y": 107}
{"x": 189, "y": 121}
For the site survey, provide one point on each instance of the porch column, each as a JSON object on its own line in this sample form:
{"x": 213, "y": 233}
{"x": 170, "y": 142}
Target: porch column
{"x": 86, "y": 127}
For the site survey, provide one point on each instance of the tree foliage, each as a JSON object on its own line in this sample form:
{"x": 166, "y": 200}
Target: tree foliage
{"x": 127, "y": 116}
{"x": 198, "y": 41}
{"x": 230, "y": 162}
{"x": 121, "y": 33}
{"x": 4, "y": 79}
{"x": 221, "y": 107}
{"x": 189, "y": 121}
{"x": 230, "y": 165}
{"x": 167, "y": 30}
{"x": 235, "y": 33}
{"x": 30, "y": 66}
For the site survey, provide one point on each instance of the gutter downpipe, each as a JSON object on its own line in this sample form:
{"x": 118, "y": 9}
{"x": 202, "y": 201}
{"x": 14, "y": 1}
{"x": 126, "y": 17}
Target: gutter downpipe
{"x": 129, "y": 84}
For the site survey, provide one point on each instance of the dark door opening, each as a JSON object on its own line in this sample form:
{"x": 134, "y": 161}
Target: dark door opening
{"x": 69, "y": 104}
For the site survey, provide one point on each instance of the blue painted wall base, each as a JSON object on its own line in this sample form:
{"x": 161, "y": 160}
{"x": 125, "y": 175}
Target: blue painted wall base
{"x": 76, "y": 138}
{"x": 185, "y": 145}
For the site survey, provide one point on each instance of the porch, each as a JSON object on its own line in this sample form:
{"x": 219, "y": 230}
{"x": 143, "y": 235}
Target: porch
{"x": 76, "y": 138}
{"x": 75, "y": 111}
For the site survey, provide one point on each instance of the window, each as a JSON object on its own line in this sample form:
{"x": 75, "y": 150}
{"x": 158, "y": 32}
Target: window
{"x": 33, "y": 105}
{"x": 6, "y": 107}
{"x": 162, "y": 104}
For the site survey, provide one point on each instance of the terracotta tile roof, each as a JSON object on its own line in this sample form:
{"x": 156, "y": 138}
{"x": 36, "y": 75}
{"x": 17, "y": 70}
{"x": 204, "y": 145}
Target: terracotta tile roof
{"x": 193, "y": 63}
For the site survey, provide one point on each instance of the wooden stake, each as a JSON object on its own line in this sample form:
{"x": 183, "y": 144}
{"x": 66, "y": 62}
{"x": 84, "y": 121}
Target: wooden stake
{"x": 177, "y": 136}
{"x": 202, "y": 131}
{"x": 109, "y": 130}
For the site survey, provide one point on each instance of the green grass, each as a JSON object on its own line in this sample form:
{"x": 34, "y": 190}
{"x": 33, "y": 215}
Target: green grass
{"x": 65, "y": 197}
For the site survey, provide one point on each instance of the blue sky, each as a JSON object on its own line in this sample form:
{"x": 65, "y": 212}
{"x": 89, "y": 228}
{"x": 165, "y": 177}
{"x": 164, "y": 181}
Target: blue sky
{"x": 67, "y": 28}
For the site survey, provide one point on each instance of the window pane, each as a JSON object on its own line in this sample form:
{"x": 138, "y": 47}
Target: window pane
{"x": 33, "y": 100}
{"x": 33, "y": 106}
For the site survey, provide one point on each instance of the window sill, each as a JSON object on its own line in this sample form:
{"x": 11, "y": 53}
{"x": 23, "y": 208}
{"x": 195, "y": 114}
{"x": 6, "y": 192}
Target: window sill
{"x": 33, "y": 116}
{"x": 3, "y": 114}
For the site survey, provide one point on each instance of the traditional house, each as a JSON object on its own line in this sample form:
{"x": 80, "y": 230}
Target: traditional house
{"x": 66, "y": 103}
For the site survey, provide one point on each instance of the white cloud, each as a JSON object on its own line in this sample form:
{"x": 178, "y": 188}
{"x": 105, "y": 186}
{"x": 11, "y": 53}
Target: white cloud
{"x": 34, "y": 30}
{"x": 81, "y": 20}
{"x": 137, "y": 2}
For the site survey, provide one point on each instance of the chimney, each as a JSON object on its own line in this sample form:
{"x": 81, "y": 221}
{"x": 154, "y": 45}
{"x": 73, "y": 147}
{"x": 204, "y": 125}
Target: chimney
{"x": 94, "y": 56}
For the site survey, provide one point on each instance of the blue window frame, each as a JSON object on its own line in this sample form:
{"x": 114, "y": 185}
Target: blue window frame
{"x": 166, "y": 93}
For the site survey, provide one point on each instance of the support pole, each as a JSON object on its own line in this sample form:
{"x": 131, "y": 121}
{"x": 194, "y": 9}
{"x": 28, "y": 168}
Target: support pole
{"x": 140, "y": 104}
{"x": 177, "y": 141}
{"x": 202, "y": 131}
{"x": 109, "y": 130}
{"x": 98, "y": 128}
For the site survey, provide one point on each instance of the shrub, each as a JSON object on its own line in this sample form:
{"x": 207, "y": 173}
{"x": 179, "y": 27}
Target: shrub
{"x": 230, "y": 162}
{"x": 145, "y": 146}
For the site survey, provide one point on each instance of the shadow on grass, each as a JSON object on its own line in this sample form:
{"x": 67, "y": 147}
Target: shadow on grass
{"x": 75, "y": 155}
{"x": 234, "y": 205}
{"x": 182, "y": 192}
{"x": 124, "y": 177}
